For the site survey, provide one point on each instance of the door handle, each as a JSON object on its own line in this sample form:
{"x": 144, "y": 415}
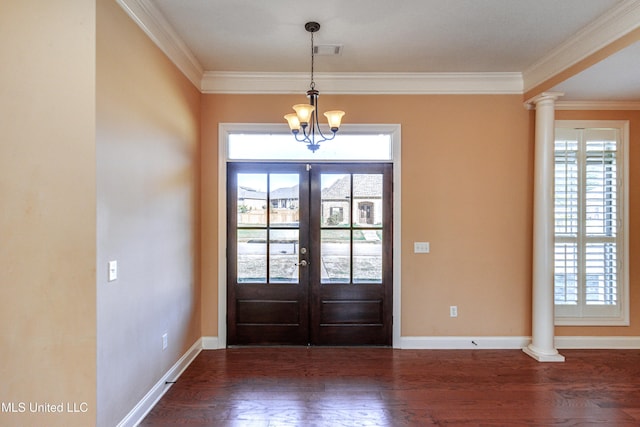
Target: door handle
{"x": 302, "y": 263}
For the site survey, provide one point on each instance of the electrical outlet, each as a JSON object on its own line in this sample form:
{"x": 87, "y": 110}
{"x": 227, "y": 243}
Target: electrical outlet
{"x": 165, "y": 341}
{"x": 421, "y": 247}
{"x": 453, "y": 311}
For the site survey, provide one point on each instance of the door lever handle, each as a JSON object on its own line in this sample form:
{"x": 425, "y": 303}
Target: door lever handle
{"x": 302, "y": 263}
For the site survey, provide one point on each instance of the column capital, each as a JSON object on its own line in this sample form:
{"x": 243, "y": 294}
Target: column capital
{"x": 544, "y": 96}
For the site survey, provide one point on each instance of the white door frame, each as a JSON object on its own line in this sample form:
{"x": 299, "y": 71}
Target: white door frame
{"x": 224, "y": 129}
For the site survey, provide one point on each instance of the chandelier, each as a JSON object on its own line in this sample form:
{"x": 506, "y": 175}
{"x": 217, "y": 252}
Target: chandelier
{"x": 304, "y": 122}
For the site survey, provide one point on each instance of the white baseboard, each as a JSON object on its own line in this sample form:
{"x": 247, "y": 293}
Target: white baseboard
{"x": 608, "y": 343}
{"x": 463, "y": 343}
{"x": 467, "y": 343}
{"x": 211, "y": 343}
{"x": 504, "y": 343}
{"x": 137, "y": 414}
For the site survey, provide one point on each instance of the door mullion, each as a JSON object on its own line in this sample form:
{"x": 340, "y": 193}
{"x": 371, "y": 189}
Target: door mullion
{"x": 352, "y": 207}
{"x": 268, "y": 228}
{"x": 304, "y": 239}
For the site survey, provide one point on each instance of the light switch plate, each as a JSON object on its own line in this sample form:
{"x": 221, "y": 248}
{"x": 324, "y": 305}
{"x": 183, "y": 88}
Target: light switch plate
{"x": 421, "y": 247}
{"x": 113, "y": 270}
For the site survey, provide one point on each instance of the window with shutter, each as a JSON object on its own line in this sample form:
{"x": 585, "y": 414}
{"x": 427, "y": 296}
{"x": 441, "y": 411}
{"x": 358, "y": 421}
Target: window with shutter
{"x": 590, "y": 218}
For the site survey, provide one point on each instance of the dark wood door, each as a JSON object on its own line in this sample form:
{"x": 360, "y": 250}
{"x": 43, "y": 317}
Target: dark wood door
{"x": 351, "y": 269}
{"x": 309, "y": 254}
{"x": 267, "y": 287}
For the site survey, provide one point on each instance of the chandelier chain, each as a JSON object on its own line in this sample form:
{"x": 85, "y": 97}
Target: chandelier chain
{"x": 313, "y": 84}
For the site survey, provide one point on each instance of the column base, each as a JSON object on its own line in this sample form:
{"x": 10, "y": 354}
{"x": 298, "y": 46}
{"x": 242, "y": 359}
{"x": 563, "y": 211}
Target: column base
{"x": 543, "y": 357}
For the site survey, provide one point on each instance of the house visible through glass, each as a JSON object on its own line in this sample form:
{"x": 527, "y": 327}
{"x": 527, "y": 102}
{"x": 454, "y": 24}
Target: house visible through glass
{"x": 351, "y": 246}
{"x": 268, "y": 216}
{"x": 350, "y": 229}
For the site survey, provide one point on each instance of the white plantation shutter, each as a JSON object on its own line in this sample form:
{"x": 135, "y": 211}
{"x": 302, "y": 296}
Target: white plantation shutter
{"x": 567, "y": 217}
{"x": 589, "y": 272}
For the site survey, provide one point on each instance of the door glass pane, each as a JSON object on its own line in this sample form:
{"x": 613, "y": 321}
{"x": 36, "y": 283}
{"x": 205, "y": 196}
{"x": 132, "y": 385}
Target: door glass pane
{"x": 283, "y": 256}
{"x": 336, "y": 193}
{"x": 367, "y": 256}
{"x": 252, "y": 256}
{"x": 367, "y": 200}
{"x": 252, "y": 199}
{"x": 284, "y": 190}
{"x": 335, "y": 256}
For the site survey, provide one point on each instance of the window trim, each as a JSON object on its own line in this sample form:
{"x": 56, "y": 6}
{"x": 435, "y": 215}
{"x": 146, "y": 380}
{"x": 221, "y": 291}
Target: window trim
{"x": 622, "y": 318}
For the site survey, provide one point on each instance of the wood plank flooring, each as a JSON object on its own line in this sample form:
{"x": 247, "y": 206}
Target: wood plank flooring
{"x": 320, "y": 386}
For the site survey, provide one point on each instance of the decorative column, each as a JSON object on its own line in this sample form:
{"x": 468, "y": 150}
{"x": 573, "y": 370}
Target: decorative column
{"x": 542, "y": 347}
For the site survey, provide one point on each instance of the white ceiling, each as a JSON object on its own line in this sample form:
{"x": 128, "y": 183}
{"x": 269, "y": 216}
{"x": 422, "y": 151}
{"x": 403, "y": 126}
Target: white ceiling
{"x": 412, "y": 36}
{"x": 616, "y": 78}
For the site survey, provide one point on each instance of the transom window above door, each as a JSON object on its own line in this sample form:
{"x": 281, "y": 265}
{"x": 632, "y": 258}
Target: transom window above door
{"x": 280, "y": 145}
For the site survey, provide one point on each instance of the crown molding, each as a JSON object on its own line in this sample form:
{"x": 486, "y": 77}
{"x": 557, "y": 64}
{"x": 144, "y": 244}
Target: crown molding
{"x": 621, "y": 20}
{"x": 363, "y": 83}
{"x": 597, "y": 105}
{"x": 154, "y": 24}
{"x": 610, "y": 27}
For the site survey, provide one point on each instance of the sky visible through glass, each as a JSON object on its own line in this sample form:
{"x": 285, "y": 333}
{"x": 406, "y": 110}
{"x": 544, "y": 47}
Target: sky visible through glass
{"x": 255, "y": 146}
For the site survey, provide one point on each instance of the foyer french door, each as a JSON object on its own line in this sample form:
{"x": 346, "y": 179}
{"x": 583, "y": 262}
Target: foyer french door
{"x": 309, "y": 254}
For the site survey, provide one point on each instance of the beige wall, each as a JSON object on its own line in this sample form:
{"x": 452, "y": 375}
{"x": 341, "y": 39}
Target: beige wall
{"x": 466, "y": 188}
{"x": 467, "y": 173}
{"x": 47, "y": 209}
{"x": 147, "y": 213}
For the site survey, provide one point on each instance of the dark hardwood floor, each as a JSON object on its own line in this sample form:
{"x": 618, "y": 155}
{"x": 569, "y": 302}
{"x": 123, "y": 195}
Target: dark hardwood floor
{"x": 321, "y": 386}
